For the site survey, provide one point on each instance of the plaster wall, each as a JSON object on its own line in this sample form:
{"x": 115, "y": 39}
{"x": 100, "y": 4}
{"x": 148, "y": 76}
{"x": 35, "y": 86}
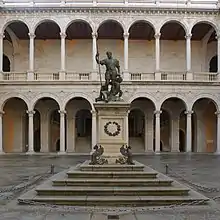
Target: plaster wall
{"x": 79, "y": 55}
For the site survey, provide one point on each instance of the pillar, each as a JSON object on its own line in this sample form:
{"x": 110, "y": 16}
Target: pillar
{"x": 126, "y": 73}
{"x": 157, "y": 130}
{"x": 94, "y": 128}
{"x": 175, "y": 133}
{"x": 1, "y": 132}
{"x": 63, "y": 53}
{"x": 1, "y": 52}
{"x": 218, "y": 132}
{"x": 62, "y": 131}
{"x": 127, "y": 128}
{"x": 30, "y": 131}
{"x": 188, "y": 57}
{"x": 189, "y": 131}
{"x": 218, "y": 53}
{"x": 31, "y": 57}
{"x": 157, "y": 56}
{"x": 94, "y": 51}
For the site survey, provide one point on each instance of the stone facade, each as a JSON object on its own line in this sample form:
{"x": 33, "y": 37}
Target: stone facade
{"x": 167, "y": 81}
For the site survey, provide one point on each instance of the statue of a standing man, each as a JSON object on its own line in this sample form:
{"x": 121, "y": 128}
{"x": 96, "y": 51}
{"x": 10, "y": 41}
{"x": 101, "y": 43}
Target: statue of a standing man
{"x": 112, "y": 74}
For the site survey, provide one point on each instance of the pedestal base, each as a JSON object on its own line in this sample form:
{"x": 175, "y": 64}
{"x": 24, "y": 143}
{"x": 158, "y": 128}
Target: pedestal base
{"x": 112, "y": 126}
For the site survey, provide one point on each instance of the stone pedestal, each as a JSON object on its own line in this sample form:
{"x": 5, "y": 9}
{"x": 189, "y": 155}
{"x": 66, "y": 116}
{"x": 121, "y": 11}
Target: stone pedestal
{"x": 112, "y": 126}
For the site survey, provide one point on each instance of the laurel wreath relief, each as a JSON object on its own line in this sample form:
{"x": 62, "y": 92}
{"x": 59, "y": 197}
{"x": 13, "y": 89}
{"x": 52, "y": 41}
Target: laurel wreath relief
{"x": 112, "y": 134}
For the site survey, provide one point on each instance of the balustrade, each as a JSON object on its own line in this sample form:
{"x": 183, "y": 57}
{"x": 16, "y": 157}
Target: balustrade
{"x": 74, "y": 76}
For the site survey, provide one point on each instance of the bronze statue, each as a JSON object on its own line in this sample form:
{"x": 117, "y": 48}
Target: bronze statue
{"x": 127, "y": 156}
{"x": 112, "y": 78}
{"x": 96, "y": 158}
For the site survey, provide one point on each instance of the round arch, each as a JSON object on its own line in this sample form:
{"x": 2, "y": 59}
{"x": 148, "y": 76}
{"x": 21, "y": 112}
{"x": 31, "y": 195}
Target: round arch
{"x": 89, "y": 22}
{"x": 213, "y": 98}
{"x": 170, "y": 96}
{"x": 77, "y": 95}
{"x": 211, "y": 23}
{"x": 44, "y": 95}
{"x": 12, "y": 20}
{"x": 146, "y": 96}
{"x": 44, "y": 20}
{"x": 178, "y": 21}
{"x": 4, "y": 99}
{"x": 141, "y": 20}
{"x": 121, "y": 24}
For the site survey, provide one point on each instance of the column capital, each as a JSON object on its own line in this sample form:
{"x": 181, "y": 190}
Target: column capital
{"x": 94, "y": 34}
{"x": 62, "y": 35}
{"x": 217, "y": 36}
{"x": 93, "y": 112}
{"x": 31, "y": 35}
{"x": 157, "y": 35}
{"x": 30, "y": 113}
{"x": 62, "y": 112}
{"x": 2, "y": 113}
{"x": 2, "y": 35}
{"x": 157, "y": 113}
{"x": 189, "y": 113}
{"x": 188, "y": 36}
{"x": 126, "y": 35}
{"x": 217, "y": 113}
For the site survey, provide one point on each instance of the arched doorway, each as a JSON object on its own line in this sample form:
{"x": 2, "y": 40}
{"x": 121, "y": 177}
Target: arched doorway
{"x": 213, "y": 66}
{"x": 15, "y": 129}
{"x": 204, "y": 125}
{"x": 136, "y": 123}
{"x": 83, "y": 125}
{"x": 37, "y": 139}
{"x": 182, "y": 141}
{"x": 6, "y": 64}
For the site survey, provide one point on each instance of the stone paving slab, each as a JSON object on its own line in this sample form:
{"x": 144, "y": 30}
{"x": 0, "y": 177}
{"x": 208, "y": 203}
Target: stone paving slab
{"x": 201, "y": 169}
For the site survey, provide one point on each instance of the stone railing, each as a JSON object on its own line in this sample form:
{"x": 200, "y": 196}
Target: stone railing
{"x": 207, "y": 4}
{"x": 204, "y": 76}
{"x": 74, "y": 76}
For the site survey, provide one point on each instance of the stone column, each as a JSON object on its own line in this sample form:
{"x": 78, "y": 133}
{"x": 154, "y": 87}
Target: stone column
{"x": 94, "y": 128}
{"x": 188, "y": 57}
{"x": 127, "y": 128}
{"x": 218, "y": 132}
{"x": 218, "y": 53}
{"x": 63, "y": 53}
{"x": 126, "y": 73}
{"x": 62, "y": 73}
{"x": 157, "y": 56}
{"x": 157, "y": 130}
{"x": 62, "y": 131}
{"x": 30, "y": 75}
{"x": 1, "y": 133}
{"x": 149, "y": 131}
{"x": 1, "y": 52}
{"x": 94, "y": 51}
{"x": 175, "y": 133}
{"x": 30, "y": 131}
{"x": 189, "y": 131}
{"x": 74, "y": 133}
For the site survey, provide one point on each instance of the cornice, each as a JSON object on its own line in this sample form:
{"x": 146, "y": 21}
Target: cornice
{"x": 101, "y": 10}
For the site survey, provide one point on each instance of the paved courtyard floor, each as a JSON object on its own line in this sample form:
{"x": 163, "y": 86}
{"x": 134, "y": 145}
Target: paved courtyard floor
{"x": 20, "y": 173}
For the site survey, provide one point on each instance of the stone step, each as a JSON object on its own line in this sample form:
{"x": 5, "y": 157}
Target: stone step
{"x": 112, "y": 182}
{"x": 109, "y": 191}
{"x": 116, "y": 201}
{"x": 112, "y": 175}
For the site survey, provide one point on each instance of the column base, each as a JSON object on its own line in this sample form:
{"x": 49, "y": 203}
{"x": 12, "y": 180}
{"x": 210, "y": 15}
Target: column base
{"x": 94, "y": 75}
{"x": 61, "y": 152}
{"x": 30, "y": 152}
{"x": 189, "y": 76}
{"x": 126, "y": 76}
{"x": 62, "y": 75}
{"x": 157, "y": 75}
{"x": 2, "y": 152}
{"x": 217, "y": 153}
{"x": 30, "y": 75}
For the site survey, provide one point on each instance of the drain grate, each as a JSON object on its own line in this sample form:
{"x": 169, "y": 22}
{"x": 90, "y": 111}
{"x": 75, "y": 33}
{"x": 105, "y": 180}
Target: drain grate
{"x": 113, "y": 217}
